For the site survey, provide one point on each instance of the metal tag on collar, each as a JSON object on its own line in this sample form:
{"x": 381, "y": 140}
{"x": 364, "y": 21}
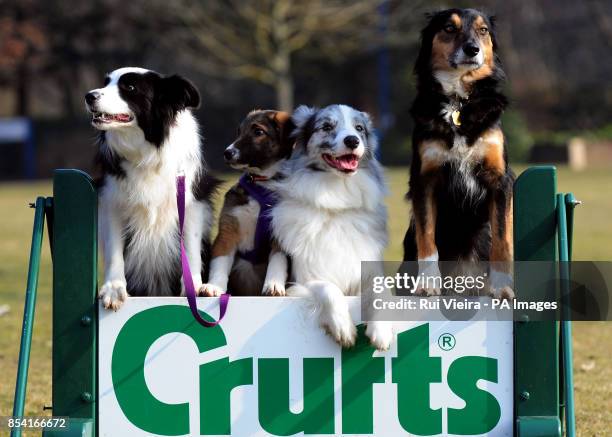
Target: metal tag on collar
{"x": 455, "y": 117}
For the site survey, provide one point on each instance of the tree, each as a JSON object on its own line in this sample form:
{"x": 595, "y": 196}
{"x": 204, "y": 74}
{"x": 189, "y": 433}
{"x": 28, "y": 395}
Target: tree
{"x": 22, "y": 40}
{"x": 256, "y": 39}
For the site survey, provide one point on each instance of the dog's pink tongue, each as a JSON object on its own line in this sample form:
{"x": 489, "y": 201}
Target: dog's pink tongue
{"x": 348, "y": 162}
{"x": 122, "y": 117}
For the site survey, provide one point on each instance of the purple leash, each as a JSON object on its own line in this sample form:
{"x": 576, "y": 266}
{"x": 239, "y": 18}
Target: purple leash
{"x": 187, "y": 278}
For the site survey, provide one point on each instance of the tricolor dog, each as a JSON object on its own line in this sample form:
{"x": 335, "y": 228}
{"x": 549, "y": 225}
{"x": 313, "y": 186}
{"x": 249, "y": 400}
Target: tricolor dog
{"x": 149, "y": 136}
{"x": 460, "y": 181}
{"x": 330, "y": 215}
{"x": 243, "y": 246}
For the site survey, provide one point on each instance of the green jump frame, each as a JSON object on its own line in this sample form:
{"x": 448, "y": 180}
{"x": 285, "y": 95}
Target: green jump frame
{"x": 543, "y": 390}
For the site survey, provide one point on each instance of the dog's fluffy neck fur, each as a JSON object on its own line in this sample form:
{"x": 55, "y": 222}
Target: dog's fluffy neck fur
{"x": 452, "y": 83}
{"x": 482, "y": 104}
{"x": 332, "y": 191}
{"x": 328, "y": 223}
{"x": 180, "y": 150}
{"x": 269, "y": 172}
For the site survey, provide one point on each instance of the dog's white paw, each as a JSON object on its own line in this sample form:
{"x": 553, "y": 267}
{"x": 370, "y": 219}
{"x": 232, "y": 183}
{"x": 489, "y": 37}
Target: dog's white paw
{"x": 273, "y": 288}
{"x": 197, "y": 285}
{"x": 380, "y": 334}
{"x": 210, "y": 290}
{"x": 429, "y": 277}
{"x": 339, "y": 325}
{"x": 501, "y": 285}
{"x": 113, "y": 294}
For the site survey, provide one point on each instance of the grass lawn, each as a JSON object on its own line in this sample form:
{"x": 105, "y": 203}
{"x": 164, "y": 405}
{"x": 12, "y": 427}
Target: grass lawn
{"x": 592, "y": 341}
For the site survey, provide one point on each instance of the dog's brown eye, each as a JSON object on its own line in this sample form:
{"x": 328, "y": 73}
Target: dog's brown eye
{"x": 131, "y": 88}
{"x": 327, "y": 127}
{"x": 449, "y": 28}
{"x": 359, "y": 128}
{"x": 258, "y": 132}
{"x": 483, "y": 31}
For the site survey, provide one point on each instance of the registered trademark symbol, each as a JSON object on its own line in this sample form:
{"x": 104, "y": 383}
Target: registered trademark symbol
{"x": 446, "y": 342}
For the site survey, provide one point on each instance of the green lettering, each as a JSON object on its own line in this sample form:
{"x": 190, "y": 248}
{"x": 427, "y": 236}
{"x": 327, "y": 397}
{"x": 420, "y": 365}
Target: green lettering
{"x": 317, "y": 416}
{"x": 359, "y": 372}
{"x": 131, "y": 347}
{"x": 413, "y": 371}
{"x": 482, "y": 411}
{"x": 217, "y": 379}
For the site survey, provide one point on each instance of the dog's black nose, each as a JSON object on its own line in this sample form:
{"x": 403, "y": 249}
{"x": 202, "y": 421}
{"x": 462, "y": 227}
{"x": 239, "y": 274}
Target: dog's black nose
{"x": 471, "y": 49}
{"x": 351, "y": 141}
{"x": 91, "y": 97}
{"x": 230, "y": 153}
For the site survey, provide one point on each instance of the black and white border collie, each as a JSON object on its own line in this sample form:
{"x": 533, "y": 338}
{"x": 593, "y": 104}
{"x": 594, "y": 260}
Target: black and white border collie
{"x": 460, "y": 181}
{"x": 148, "y": 136}
{"x": 243, "y": 259}
{"x": 330, "y": 215}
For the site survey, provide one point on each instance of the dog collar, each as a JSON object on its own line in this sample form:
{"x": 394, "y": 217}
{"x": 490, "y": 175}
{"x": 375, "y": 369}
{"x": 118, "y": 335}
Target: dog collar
{"x": 257, "y": 178}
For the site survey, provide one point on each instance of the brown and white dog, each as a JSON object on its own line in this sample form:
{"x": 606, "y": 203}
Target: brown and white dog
{"x": 460, "y": 181}
{"x": 243, "y": 259}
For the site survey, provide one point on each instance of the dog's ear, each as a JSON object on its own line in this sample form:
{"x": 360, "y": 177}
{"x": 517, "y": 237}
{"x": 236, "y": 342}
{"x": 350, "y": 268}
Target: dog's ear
{"x": 285, "y": 126}
{"x": 493, "y": 33}
{"x": 302, "y": 115}
{"x": 303, "y": 119}
{"x": 179, "y": 92}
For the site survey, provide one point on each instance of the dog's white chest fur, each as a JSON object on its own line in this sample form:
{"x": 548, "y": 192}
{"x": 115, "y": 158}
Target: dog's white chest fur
{"x": 451, "y": 82}
{"x": 327, "y": 245}
{"x": 247, "y": 216}
{"x": 327, "y": 229}
{"x": 150, "y": 218}
{"x": 149, "y": 205}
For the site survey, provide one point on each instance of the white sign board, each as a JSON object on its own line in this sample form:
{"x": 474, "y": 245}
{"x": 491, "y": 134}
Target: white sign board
{"x": 269, "y": 370}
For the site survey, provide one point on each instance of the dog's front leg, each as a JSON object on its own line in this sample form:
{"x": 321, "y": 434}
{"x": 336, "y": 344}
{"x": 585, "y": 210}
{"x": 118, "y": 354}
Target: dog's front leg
{"x": 501, "y": 180}
{"x": 196, "y": 216}
{"x": 501, "y": 254}
{"x": 380, "y": 332}
{"x": 431, "y": 157}
{"x": 276, "y": 273}
{"x": 223, "y": 252}
{"x": 334, "y": 316}
{"x": 424, "y": 210}
{"x": 114, "y": 290}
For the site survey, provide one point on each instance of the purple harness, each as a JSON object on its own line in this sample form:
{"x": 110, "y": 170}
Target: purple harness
{"x": 263, "y": 230}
